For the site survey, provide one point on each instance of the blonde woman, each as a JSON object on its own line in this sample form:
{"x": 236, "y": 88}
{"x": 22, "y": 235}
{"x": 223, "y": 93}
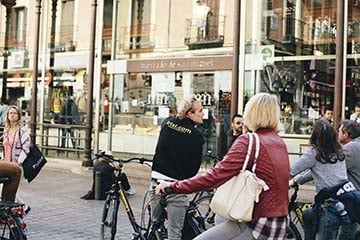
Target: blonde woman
{"x": 16, "y": 141}
{"x": 261, "y": 115}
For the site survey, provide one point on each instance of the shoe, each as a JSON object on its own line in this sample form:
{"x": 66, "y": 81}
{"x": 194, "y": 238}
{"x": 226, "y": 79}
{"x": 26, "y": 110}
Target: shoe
{"x": 89, "y": 196}
{"x": 27, "y": 209}
{"x": 131, "y": 191}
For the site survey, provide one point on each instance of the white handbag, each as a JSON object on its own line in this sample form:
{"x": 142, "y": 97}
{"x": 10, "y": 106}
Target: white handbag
{"x": 235, "y": 199}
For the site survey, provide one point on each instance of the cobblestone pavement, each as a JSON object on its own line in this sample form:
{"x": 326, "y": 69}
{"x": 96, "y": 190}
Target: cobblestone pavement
{"x": 58, "y": 213}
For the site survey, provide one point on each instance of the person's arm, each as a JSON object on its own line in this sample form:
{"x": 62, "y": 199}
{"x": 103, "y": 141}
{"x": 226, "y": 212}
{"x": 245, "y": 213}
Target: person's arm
{"x": 349, "y": 158}
{"x": 301, "y": 167}
{"x": 223, "y": 171}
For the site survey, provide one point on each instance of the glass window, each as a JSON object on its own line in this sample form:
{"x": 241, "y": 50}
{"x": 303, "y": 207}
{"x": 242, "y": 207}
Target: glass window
{"x": 290, "y": 52}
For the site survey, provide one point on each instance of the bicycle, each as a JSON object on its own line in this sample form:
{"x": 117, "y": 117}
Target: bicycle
{"x": 146, "y": 230}
{"x": 296, "y": 223}
{"x": 202, "y": 201}
{"x": 12, "y": 225}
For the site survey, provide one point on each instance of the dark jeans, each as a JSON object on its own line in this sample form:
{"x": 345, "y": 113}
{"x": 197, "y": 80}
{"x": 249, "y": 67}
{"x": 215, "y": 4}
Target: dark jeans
{"x": 64, "y": 133}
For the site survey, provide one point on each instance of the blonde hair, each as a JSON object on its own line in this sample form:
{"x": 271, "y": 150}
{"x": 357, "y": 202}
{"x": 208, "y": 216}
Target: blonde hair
{"x": 7, "y": 122}
{"x": 262, "y": 111}
{"x": 185, "y": 106}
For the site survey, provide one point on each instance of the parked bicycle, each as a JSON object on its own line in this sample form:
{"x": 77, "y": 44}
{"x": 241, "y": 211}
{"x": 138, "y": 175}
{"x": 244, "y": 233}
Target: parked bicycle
{"x": 12, "y": 225}
{"x": 147, "y": 229}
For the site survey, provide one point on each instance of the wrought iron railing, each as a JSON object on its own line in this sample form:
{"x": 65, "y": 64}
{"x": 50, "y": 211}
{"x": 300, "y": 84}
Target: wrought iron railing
{"x": 137, "y": 37}
{"x": 16, "y": 40}
{"x": 204, "y": 34}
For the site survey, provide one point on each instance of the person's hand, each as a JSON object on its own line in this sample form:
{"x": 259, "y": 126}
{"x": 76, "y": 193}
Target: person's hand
{"x": 292, "y": 182}
{"x": 161, "y": 188}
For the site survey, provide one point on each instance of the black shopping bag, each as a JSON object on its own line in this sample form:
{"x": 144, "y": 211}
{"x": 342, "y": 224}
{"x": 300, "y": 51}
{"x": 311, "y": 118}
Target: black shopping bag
{"x": 33, "y": 163}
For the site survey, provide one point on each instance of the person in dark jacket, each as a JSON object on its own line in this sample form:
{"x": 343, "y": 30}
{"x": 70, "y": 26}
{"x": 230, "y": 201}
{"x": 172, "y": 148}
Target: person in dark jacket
{"x": 69, "y": 115}
{"x": 178, "y": 156}
{"x": 262, "y": 116}
{"x": 235, "y": 130}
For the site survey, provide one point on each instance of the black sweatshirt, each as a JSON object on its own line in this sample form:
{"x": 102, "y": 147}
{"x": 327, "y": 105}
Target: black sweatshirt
{"x": 179, "y": 149}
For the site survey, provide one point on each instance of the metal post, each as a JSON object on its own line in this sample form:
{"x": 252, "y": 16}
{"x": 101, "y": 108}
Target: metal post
{"x": 235, "y": 69}
{"x": 90, "y": 80}
{"x": 35, "y": 72}
{"x": 112, "y": 79}
{"x": 8, "y": 6}
{"x": 339, "y": 68}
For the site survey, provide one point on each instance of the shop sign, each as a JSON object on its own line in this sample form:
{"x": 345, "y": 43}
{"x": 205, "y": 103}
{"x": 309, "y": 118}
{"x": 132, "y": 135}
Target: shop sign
{"x": 205, "y": 98}
{"x": 180, "y": 64}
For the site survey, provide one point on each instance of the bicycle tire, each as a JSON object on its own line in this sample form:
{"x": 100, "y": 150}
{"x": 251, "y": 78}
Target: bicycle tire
{"x": 294, "y": 219}
{"x": 293, "y": 232}
{"x": 204, "y": 210}
{"x": 109, "y": 218}
{"x": 10, "y": 227}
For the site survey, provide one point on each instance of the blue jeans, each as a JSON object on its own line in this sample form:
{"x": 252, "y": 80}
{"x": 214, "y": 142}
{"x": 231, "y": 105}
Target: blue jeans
{"x": 347, "y": 232}
{"x": 329, "y": 224}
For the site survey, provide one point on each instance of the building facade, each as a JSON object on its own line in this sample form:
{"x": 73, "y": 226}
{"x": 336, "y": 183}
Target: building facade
{"x": 150, "y": 54}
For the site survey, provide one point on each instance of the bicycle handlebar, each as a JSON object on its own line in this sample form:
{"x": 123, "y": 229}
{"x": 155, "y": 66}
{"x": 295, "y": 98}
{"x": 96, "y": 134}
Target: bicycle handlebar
{"x": 141, "y": 160}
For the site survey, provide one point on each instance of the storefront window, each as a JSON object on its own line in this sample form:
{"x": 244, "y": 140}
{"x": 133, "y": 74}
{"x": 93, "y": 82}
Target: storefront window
{"x": 294, "y": 42}
{"x": 353, "y": 61}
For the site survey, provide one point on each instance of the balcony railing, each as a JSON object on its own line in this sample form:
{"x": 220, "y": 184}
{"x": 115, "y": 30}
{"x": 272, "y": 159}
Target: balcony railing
{"x": 16, "y": 40}
{"x": 138, "y": 37}
{"x": 205, "y": 34}
{"x": 65, "y": 42}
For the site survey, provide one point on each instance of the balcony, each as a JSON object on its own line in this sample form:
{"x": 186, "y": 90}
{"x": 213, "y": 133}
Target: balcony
{"x": 16, "y": 40}
{"x": 65, "y": 36}
{"x": 205, "y": 35}
{"x": 137, "y": 38}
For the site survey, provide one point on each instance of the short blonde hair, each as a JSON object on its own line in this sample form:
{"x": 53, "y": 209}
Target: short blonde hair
{"x": 262, "y": 111}
{"x": 185, "y": 107}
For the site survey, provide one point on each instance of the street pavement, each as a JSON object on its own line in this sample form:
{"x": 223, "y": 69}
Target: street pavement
{"x": 58, "y": 213}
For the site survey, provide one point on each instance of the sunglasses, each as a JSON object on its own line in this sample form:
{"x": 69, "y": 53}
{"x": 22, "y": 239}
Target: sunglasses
{"x": 238, "y": 123}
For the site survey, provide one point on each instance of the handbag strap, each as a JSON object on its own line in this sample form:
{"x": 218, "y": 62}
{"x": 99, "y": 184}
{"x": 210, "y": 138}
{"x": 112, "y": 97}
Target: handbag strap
{"x": 248, "y": 152}
{"x": 257, "y": 150}
{"x": 20, "y": 140}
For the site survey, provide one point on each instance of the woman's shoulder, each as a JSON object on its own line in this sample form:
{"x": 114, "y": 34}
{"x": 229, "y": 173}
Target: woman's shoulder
{"x": 24, "y": 131}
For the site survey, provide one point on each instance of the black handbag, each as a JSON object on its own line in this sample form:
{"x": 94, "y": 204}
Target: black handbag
{"x": 33, "y": 162}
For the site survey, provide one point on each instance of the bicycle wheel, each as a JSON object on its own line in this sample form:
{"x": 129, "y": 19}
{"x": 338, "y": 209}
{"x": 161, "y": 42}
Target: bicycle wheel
{"x": 109, "y": 218}
{"x": 10, "y": 227}
{"x": 293, "y": 232}
{"x": 294, "y": 219}
{"x": 204, "y": 210}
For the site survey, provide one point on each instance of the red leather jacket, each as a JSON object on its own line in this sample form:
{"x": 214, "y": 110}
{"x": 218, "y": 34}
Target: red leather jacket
{"x": 273, "y": 167}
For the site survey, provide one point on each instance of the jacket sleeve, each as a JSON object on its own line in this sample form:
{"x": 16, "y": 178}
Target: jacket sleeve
{"x": 25, "y": 142}
{"x": 305, "y": 162}
{"x": 230, "y": 166}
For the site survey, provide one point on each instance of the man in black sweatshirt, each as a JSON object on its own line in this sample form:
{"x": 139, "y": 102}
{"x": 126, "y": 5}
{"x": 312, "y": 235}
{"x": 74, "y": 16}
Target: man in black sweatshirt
{"x": 178, "y": 156}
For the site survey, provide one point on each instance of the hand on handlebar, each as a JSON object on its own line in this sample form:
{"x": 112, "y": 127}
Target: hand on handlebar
{"x": 293, "y": 182}
{"x": 163, "y": 188}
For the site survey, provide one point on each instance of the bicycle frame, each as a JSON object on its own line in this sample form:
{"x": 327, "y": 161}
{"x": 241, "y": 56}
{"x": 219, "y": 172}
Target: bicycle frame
{"x": 118, "y": 188}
